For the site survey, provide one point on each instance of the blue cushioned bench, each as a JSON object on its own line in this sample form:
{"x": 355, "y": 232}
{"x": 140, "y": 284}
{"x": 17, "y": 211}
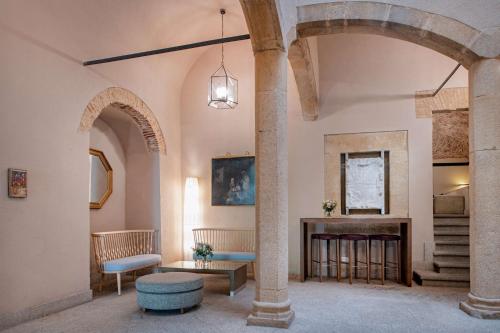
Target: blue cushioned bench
{"x": 228, "y": 244}
{"x": 118, "y": 252}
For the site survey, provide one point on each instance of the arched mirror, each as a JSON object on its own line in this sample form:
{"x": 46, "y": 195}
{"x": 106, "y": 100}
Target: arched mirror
{"x": 101, "y": 179}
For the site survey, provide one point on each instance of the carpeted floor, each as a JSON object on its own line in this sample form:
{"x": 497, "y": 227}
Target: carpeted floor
{"x": 326, "y": 307}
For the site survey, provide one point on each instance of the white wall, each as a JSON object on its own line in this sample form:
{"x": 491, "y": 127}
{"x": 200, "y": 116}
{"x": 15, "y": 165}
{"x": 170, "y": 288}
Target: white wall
{"x": 367, "y": 83}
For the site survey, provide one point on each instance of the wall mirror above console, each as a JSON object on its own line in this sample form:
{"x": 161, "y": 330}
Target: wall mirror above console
{"x": 101, "y": 179}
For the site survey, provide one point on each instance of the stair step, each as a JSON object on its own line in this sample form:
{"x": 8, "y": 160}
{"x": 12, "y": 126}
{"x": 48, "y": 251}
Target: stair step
{"x": 451, "y": 238}
{"x": 452, "y": 245}
{"x": 455, "y": 264}
{"x": 455, "y": 216}
{"x": 451, "y": 233}
{"x": 462, "y": 228}
{"x": 462, "y": 256}
{"x": 430, "y": 278}
{"x": 452, "y": 253}
{"x": 451, "y": 222}
{"x": 452, "y": 242}
{"x": 452, "y": 267}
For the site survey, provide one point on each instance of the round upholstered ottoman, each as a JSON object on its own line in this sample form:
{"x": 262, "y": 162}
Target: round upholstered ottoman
{"x": 169, "y": 291}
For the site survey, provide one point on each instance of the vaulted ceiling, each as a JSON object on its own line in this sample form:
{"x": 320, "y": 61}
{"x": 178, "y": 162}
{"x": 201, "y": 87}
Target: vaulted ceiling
{"x": 90, "y": 29}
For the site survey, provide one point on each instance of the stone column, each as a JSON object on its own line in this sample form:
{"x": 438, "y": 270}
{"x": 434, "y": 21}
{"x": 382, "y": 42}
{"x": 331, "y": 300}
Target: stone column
{"x": 271, "y": 306}
{"x": 484, "y": 137}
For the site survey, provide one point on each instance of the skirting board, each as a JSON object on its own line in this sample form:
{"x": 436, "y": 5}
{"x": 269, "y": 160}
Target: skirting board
{"x": 16, "y": 318}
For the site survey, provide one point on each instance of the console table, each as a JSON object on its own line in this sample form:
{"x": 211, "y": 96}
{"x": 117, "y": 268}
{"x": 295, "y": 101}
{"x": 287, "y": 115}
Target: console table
{"x": 404, "y": 229}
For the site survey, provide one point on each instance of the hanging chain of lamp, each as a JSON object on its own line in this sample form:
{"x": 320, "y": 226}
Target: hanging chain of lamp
{"x": 222, "y": 86}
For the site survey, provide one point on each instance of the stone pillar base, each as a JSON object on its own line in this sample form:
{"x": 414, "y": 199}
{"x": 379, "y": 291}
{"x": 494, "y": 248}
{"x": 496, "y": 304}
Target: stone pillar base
{"x": 482, "y": 308}
{"x": 271, "y": 314}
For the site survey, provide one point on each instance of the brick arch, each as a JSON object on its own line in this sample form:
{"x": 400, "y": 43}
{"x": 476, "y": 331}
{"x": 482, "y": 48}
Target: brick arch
{"x": 445, "y": 35}
{"x": 131, "y": 105}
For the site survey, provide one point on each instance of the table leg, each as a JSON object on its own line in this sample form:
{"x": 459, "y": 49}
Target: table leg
{"x": 237, "y": 280}
{"x": 406, "y": 259}
{"x": 304, "y": 255}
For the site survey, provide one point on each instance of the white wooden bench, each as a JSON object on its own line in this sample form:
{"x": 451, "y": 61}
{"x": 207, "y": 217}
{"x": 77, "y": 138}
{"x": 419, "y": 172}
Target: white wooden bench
{"x": 118, "y": 252}
{"x": 228, "y": 244}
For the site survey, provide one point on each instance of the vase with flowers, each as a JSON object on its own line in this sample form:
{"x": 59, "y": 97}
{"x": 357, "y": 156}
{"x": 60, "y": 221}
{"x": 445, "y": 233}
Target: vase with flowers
{"x": 203, "y": 251}
{"x": 329, "y": 207}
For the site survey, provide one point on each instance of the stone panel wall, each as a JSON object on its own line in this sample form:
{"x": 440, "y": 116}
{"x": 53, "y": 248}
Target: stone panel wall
{"x": 395, "y": 142}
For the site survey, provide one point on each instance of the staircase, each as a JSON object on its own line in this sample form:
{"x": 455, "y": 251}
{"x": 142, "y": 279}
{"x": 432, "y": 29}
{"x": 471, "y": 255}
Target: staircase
{"x": 451, "y": 253}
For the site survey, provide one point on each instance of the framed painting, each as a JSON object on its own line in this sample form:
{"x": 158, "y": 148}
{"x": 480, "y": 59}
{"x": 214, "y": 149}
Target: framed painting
{"x": 18, "y": 183}
{"x": 233, "y": 181}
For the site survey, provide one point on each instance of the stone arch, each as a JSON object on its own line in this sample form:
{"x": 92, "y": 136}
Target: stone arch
{"x": 129, "y": 103}
{"x": 445, "y": 35}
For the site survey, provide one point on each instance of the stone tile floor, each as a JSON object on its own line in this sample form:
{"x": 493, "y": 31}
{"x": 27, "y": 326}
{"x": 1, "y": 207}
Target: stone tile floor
{"x": 319, "y": 307}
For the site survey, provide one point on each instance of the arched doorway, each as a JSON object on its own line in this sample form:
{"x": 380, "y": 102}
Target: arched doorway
{"x": 125, "y": 131}
{"x": 131, "y": 105}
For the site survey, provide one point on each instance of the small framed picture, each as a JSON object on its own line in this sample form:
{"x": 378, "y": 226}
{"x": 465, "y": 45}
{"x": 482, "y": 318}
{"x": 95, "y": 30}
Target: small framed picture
{"x": 18, "y": 183}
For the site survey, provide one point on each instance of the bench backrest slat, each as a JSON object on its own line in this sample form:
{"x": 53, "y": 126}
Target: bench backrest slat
{"x": 226, "y": 240}
{"x": 113, "y": 245}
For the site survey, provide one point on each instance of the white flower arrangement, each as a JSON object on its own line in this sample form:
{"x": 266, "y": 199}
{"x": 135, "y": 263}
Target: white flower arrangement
{"x": 329, "y": 206}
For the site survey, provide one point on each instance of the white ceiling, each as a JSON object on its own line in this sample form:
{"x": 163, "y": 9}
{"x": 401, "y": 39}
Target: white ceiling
{"x": 89, "y": 29}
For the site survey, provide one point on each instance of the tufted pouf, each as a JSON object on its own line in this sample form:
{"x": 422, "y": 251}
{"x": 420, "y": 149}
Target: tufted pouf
{"x": 169, "y": 291}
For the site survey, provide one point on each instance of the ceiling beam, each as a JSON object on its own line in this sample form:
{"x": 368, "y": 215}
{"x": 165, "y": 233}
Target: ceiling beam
{"x": 167, "y": 50}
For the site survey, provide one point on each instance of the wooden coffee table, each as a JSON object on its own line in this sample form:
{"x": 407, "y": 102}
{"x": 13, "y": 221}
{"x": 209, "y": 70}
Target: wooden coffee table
{"x": 237, "y": 272}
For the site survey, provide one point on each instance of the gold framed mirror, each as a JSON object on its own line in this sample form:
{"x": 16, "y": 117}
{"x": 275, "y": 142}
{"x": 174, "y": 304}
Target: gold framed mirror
{"x": 101, "y": 179}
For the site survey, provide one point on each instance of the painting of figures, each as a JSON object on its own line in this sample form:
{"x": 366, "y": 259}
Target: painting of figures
{"x": 233, "y": 181}
{"x": 18, "y": 185}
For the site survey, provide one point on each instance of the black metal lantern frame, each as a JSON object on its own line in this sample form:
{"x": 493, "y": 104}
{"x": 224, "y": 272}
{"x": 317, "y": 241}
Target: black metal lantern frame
{"x": 222, "y": 86}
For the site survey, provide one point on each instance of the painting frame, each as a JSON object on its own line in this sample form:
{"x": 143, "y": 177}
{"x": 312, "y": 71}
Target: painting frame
{"x": 233, "y": 181}
{"x": 17, "y": 183}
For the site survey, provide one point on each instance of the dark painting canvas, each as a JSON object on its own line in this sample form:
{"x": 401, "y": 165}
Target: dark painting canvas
{"x": 233, "y": 181}
{"x": 18, "y": 183}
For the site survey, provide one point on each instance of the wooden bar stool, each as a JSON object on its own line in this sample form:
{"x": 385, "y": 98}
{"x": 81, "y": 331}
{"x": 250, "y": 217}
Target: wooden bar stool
{"x": 355, "y": 238}
{"x": 383, "y": 238}
{"x": 329, "y": 261}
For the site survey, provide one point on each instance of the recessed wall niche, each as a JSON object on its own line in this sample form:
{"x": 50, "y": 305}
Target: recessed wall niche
{"x": 395, "y": 147}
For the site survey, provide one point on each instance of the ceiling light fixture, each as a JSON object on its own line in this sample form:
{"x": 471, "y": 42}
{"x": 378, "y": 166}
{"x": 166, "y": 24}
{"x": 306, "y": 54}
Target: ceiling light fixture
{"x": 222, "y": 86}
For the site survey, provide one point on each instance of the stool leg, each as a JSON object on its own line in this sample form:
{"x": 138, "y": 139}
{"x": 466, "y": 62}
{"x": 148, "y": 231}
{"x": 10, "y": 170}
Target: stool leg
{"x": 328, "y": 266}
{"x": 337, "y": 244}
{"x": 350, "y": 261}
{"x": 119, "y": 283}
{"x": 367, "y": 261}
{"x": 355, "y": 259}
{"x": 101, "y": 281}
{"x": 311, "y": 258}
{"x": 383, "y": 260}
{"x": 320, "y": 261}
{"x": 398, "y": 254}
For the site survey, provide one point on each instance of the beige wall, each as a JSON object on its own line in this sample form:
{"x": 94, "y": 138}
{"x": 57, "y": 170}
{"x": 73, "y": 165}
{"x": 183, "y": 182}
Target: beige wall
{"x": 141, "y": 191}
{"x": 42, "y": 97}
{"x": 367, "y": 84}
{"x": 449, "y": 178}
{"x": 207, "y": 132}
{"x": 112, "y": 214}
